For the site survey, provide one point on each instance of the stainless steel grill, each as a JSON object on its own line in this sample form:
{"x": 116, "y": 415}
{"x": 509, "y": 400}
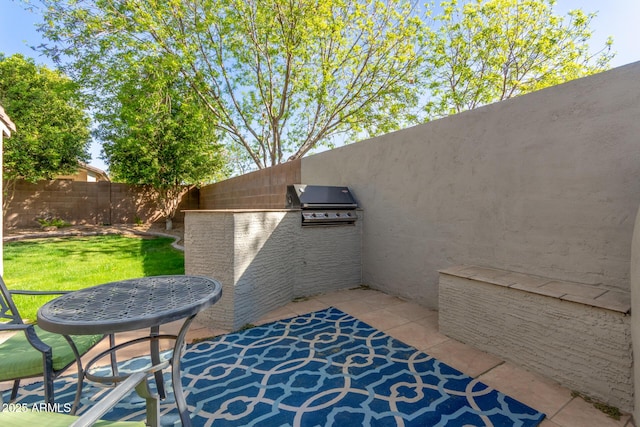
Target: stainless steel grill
{"x": 323, "y": 205}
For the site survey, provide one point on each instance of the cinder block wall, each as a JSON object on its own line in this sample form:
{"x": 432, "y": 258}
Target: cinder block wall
{"x": 263, "y": 189}
{"x": 86, "y": 203}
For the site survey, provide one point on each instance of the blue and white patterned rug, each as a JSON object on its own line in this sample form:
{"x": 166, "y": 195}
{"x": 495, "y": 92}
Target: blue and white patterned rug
{"x": 321, "y": 369}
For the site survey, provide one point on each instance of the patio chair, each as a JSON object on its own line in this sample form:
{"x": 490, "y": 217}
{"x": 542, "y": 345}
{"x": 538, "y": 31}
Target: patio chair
{"x": 92, "y": 416}
{"x": 32, "y": 352}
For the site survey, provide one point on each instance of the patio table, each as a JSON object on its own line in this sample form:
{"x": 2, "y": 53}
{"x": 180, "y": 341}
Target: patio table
{"x": 133, "y": 304}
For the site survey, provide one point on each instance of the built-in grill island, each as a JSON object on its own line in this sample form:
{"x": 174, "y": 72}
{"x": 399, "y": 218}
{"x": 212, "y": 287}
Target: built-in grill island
{"x": 322, "y": 204}
{"x": 265, "y": 258}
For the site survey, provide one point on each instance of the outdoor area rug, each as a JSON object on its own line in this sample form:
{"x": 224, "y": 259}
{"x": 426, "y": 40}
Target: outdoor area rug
{"x": 321, "y": 369}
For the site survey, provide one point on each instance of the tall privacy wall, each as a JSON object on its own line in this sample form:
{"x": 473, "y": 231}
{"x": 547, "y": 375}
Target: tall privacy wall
{"x": 545, "y": 184}
{"x": 86, "y": 203}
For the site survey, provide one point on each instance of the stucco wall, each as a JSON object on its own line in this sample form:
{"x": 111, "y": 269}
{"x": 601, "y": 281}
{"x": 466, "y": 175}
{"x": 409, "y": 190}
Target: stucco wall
{"x": 249, "y": 253}
{"x": 564, "y": 331}
{"x": 332, "y": 258}
{"x": 265, "y": 258}
{"x": 546, "y": 184}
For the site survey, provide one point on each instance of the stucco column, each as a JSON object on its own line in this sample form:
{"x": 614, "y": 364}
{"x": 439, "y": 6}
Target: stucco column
{"x": 635, "y": 314}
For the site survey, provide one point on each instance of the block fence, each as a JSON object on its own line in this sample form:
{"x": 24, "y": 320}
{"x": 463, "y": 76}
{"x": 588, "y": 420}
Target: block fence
{"x": 87, "y": 203}
{"x": 263, "y": 189}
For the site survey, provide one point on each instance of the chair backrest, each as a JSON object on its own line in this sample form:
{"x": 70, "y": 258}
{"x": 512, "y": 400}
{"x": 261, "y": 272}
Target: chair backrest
{"x": 8, "y": 311}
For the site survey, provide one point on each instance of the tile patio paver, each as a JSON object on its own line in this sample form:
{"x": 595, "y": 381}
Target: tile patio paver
{"x": 417, "y": 335}
{"x": 463, "y": 357}
{"x": 410, "y": 311}
{"x": 579, "y": 413}
{"x": 548, "y": 423}
{"x": 382, "y": 319}
{"x": 534, "y": 390}
{"x": 380, "y": 300}
{"x": 305, "y": 306}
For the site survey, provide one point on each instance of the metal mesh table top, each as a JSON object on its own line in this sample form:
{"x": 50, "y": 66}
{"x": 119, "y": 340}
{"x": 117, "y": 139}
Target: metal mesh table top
{"x": 129, "y": 304}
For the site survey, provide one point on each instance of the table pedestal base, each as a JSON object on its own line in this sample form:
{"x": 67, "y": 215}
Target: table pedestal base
{"x": 156, "y": 367}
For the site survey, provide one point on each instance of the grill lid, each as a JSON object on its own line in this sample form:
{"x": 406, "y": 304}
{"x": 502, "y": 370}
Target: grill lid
{"x": 300, "y": 196}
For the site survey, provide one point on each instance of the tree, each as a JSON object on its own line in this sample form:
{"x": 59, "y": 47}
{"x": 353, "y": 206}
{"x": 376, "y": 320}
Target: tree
{"x": 156, "y": 133}
{"x": 488, "y": 51}
{"x": 279, "y": 78}
{"x": 52, "y": 129}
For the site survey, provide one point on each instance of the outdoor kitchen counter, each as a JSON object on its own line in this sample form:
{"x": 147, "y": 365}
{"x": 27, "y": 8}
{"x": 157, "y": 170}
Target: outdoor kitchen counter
{"x": 265, "y": 258}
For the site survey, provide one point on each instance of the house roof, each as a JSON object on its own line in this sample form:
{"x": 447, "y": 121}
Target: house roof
{"x": 95, "y": 170}
{"x": 92, "y": 168}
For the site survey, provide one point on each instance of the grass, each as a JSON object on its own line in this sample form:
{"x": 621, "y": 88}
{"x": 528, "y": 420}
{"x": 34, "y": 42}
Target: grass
{"x": 79, "y": 262}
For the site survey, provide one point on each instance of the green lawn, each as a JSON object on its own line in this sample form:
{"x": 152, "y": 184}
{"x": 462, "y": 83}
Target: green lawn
{"x": 80, "y": 262}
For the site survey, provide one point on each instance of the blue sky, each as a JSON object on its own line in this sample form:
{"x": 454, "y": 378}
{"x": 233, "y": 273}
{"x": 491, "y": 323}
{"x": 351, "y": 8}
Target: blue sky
{"x": 617, "y": 18}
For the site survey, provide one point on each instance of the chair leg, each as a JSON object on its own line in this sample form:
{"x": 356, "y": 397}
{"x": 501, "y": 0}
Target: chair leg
{"x": 155, "y": 360}
{"x": 49, "y": 376}
{"x": 47, "y": 364}
{"x": 76, "y": 401}
{"x": 14, "y": 390}
{"x": 152, "y": 403}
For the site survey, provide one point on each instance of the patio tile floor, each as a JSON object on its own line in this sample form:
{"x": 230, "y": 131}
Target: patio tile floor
{"x": 418, "y": 326}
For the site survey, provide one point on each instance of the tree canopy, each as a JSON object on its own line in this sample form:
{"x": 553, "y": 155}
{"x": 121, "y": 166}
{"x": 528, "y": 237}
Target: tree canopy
{"x": 52, "y": 128}
{"x": 156, "y": 133}
{"x": 278, "y": 77}
{"x": 491, "y": 50}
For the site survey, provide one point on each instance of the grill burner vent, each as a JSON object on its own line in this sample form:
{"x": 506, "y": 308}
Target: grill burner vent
{"x": 322, "y": 205}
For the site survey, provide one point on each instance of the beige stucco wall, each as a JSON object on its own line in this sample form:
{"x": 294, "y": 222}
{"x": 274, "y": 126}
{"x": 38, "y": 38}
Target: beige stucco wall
{"x": 581, "y": 341}
{"x": 265, "y": 258}
{"x": 546, "y": 184}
